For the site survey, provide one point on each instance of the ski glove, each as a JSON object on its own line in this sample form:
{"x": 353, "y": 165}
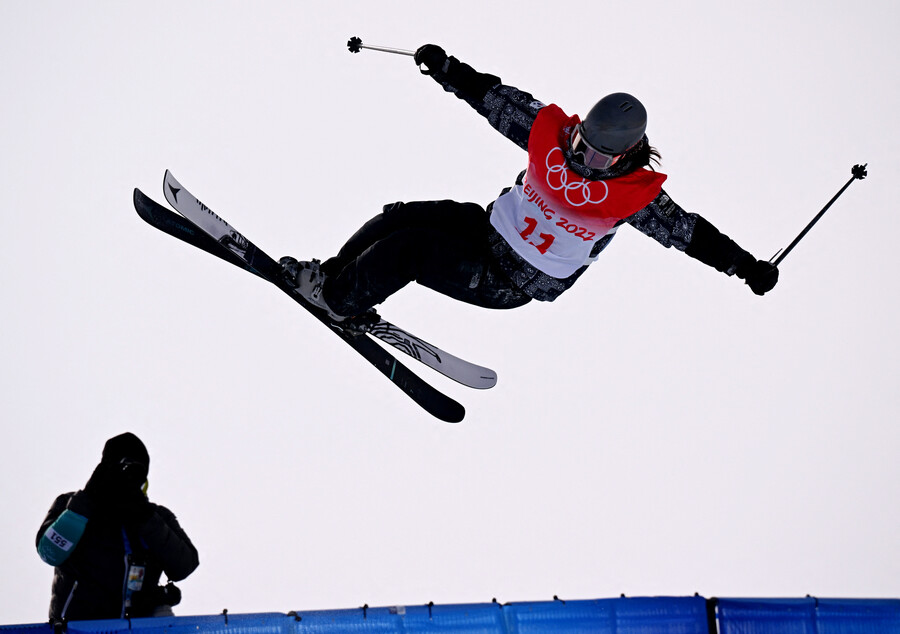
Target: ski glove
{"x": 432, "y": 57}
{"x": 761, "y": 276}
{"x": 723, "y": 254}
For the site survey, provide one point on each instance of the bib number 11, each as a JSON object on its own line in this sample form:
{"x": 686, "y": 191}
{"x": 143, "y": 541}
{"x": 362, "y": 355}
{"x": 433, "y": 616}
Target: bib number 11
{"x": 547, "y": 238}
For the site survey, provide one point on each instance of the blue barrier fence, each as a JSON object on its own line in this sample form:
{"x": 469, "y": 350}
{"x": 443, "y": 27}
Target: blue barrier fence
{"x": 808, "y": 616}
{"x": 637, "y": 615}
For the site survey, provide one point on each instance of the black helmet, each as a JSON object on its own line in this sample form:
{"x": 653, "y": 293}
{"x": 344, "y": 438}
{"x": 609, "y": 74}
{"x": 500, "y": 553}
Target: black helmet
{"x": 615, "y": 123}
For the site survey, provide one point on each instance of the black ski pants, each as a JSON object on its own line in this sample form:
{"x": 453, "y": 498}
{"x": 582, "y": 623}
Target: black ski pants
{"x": 441, "y": 244}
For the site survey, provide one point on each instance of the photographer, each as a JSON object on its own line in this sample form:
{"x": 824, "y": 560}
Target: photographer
{"x": 109, "y": 544}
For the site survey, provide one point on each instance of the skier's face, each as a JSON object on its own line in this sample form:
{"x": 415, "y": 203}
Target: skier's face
{"x": 587, "y": 154}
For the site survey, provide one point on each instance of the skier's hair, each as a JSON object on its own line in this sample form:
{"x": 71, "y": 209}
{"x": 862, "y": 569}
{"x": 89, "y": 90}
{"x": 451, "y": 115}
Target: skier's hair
{"x": 643, "y": 153}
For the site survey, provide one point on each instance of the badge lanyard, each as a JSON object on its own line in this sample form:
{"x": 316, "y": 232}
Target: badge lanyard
{"x": 134, "y": 579}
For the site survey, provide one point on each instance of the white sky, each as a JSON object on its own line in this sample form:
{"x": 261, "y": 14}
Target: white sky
{"x": 658, "y": 430}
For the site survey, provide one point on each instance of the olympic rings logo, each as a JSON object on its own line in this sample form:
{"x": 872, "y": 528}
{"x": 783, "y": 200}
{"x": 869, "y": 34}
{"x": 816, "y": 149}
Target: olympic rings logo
{"x": 581, "y": 187}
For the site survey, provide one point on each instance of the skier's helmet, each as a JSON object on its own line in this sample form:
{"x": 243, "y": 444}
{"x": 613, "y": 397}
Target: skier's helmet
{"x": 614, "y": 125}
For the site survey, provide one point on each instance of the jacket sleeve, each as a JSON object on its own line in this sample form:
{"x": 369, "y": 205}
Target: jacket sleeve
{"x": 62, "y": 528}
{"x": 670, "y": 225}
{"x": 717, "y": 250}
{"x": 509, "y": 110}
{"x": 170, "y": 544}
{"x": 666, "y": 222}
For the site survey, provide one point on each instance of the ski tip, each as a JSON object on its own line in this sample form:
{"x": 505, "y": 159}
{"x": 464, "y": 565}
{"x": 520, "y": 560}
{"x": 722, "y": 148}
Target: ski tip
{"x": 488, "y": 381}
{"x": 454, "y": 415}
{"x": 169, "y": 178}
{"x": 139, "y": 199}
{"x": 171, "y": 188}
{"x": 483, "y": 381}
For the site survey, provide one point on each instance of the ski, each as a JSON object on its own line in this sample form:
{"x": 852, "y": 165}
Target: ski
{"x": 177, "y": 226}
{"x": 452, "y": 367}
{"x": 217, "y": 237}
{"x": 460, "y": 370}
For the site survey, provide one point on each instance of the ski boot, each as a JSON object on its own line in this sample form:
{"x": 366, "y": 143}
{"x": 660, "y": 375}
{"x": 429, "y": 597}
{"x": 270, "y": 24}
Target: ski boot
{"x": 361, "y": 323}
{"x": 307, "y": 279}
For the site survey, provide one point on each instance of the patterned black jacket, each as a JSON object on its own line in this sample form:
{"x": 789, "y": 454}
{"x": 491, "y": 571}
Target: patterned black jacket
{"x": 512, "y": 113}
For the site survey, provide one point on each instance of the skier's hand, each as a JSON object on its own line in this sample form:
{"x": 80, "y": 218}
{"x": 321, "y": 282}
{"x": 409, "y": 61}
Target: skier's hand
{"x": 432, "y": 57}
{"x": 761, "y": 277}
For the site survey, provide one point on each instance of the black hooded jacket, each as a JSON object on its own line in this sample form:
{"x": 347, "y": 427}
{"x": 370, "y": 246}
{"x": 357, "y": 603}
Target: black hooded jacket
{"x": 109, "y": 545}
{"x": 99, "y": 562}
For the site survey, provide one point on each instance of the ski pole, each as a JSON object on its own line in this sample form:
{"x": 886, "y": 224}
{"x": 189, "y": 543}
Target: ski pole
{"x": 354, "y": 44}
{"x": 859, "y": 172}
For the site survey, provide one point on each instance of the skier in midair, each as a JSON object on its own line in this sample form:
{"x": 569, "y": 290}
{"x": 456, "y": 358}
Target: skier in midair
{"x": 585, "y": 178}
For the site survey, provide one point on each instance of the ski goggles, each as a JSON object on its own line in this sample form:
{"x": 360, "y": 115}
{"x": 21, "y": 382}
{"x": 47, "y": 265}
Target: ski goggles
{"x": 589, "y": 155}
